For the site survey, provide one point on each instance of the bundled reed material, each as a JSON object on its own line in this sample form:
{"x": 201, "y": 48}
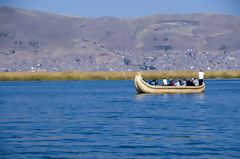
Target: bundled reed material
{"x": 77, "y": 75}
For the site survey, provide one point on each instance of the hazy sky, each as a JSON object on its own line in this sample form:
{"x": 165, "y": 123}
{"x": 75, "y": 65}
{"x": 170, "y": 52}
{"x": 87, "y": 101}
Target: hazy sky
{"x": 126, "y": 8}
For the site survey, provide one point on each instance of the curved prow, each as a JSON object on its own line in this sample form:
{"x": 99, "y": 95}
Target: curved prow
{"x": 137, "y": 77}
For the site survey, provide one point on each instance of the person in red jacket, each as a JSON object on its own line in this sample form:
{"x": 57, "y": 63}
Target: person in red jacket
{"x": 171, "y": 83}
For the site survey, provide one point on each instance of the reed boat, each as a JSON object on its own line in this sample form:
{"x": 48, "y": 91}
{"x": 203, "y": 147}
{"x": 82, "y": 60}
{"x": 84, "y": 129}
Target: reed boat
{"x": 143, "y": 87}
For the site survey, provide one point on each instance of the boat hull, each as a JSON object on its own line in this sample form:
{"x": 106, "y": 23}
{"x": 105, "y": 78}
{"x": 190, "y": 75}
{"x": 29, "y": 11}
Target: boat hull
{"x": 143, "y": 87}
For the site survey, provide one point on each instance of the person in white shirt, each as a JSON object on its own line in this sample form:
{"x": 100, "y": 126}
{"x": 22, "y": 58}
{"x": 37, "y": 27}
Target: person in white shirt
{"x": 184, "y": 83}
{"x": 164, "y": 83}
{"x": 196, "y": 82}
{"x": 201, "y": 77}
{"x": 177, "y": 83}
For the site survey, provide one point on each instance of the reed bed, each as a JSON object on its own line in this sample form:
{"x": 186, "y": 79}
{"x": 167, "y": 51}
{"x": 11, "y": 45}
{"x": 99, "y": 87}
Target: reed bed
{"x": 77, "y": 75}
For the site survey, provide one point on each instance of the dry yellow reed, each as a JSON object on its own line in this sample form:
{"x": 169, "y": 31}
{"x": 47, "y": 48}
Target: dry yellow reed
{"x": 77, "y": 75}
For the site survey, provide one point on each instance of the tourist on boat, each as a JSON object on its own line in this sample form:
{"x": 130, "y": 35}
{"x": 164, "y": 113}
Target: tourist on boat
{"x": 177, "y": 83}
{"x": 180, "y": 81}
{"x": 195, "y": 82}
{"x": 152, "y": 82}
{"x": 171, "y": 83}
{"x": 156, "y": 82}
{"x": 190, "y": 83}
{"x": 201, "y": 76}
{"x": 164, "y": 82}
{"x": 184, "y": 83}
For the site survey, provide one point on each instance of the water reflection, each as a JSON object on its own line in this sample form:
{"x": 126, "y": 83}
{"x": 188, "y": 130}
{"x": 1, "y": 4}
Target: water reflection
{"x": 154, "y": 97}
{"x": 200, "y": 98}
{"x": 141, "y": 96}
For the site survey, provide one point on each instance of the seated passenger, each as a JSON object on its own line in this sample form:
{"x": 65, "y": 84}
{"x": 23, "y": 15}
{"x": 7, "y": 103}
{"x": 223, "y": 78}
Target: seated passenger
{"x": 171, "y": 83}
{"x": 190, "y": 83}
{"x": 164, "y": 82}
{"x": 195, "y": 82}
{"x": 184, "y": 83}
{"x": 156, "y": 82}
{"x": 180, "y": 81}
{"x": 177, "y": 83}
{"x": 153, "y": 83}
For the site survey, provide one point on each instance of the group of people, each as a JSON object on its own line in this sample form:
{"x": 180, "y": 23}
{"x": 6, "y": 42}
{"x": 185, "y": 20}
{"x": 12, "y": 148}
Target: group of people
{"x": 180, "y": 81}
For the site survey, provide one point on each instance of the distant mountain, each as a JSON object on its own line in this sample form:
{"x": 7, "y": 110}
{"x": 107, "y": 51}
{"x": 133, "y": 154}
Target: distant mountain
{"x": 39, "y": 41}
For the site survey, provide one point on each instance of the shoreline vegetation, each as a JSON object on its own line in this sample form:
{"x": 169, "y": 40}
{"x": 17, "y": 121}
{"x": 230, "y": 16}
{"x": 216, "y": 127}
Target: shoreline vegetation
{"x": 77, "y": 75}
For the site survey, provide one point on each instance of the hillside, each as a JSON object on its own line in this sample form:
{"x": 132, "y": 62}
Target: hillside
{"x": 39, "y": 41}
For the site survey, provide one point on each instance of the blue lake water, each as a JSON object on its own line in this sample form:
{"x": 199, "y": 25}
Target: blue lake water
{"x": 107, "y": 119}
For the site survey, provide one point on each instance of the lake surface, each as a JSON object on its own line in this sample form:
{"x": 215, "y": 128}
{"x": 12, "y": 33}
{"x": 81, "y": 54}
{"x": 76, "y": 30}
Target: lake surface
{"x": 107, "y": 119}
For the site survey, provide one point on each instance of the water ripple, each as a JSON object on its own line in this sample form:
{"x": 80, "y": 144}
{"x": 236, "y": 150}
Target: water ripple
{"x": 105, "y": 119}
